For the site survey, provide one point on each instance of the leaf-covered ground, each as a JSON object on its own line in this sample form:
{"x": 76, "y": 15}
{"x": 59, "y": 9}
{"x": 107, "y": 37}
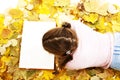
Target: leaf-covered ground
{"x": 101, "y": 18}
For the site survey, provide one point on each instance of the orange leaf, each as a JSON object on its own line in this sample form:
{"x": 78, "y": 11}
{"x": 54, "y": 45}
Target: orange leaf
{"x": 5, "y": 33}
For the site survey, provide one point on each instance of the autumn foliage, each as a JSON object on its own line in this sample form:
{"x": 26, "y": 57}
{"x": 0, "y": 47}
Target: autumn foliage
{"x": 101, "y": 18}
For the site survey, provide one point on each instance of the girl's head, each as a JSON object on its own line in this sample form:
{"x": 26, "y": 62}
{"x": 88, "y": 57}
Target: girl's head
{"x": 60, "y": 40}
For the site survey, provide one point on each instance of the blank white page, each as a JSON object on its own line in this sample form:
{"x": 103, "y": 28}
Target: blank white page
{"x": 32, "y": 53}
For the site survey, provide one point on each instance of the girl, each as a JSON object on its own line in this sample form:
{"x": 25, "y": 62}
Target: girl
{"x": 79, "y": 47}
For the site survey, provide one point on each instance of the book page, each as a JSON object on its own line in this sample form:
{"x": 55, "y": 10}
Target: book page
{"x": 32, "y": 53}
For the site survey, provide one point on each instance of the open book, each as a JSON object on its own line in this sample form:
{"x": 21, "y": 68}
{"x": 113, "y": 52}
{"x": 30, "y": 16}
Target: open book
{"x": 32, "y": 54}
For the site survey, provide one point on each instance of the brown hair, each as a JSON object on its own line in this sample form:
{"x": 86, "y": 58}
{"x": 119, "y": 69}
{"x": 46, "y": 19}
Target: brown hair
{"x": 61, "y": 41}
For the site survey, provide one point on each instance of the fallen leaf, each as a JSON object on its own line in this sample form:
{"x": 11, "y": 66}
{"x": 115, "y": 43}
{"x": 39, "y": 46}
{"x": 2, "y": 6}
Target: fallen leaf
{"x": 2, "y": 50}
{"x": 6, "y": 33}
{"x": 65, "y": 77}
{"x": 92, "y": 17}
{"x": 83, "y": 75}
{"x": 1, "y": 19}
{"x": 97, "y": 6}
{"x": 107, "y": 73}
{"x": 95, "y": 78}
{"x": 16, "y": 13}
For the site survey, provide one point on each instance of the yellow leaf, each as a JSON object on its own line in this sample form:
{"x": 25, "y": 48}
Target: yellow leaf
{"x": 65, "y": 77}
{"x": 108, "y": 27}
{"x": 95, "y": 78}
{"x": 83, "y": 75}
{"x": 47, "y": 75}
{"x": 92, "y": 17}
{"x": 13, "y": 61}
{"x": 3, "y": 67}
{"x": 44, "y": 9}
{"x": 116, "y": 26}
{"x": 5, "y": 59}
{"x": 17, "y": 26}
{"x": 106, "y": 74}
{"x": 1, "y": 19}
{"x": 116, "y": 17}
{"x": 6, "y": 33}
{"x": 100, "y": 26}
{"x": 7, "y": 52}
{"x": 16, "y": 13}
{"x": 3, "y": 41}
{"x": 48, "y": 2}
{"x": 53, "y": 10}
{"x": 32, "y": 16}
{"x": 7, "y": 76}
{"x": 117, "y": 78}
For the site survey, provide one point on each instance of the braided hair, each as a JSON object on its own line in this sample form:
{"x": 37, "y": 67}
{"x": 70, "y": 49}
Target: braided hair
{"x": 61, "y": 41}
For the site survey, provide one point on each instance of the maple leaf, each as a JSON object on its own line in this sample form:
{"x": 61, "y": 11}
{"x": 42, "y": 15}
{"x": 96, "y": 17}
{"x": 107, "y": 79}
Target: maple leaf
{"x": 32, "y": 10}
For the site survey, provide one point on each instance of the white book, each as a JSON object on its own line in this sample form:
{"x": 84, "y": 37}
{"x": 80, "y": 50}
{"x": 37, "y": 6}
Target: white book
{"x": 32, "y": 53}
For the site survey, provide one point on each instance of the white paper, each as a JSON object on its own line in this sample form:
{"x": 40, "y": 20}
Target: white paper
{"x": 32, "y": 54}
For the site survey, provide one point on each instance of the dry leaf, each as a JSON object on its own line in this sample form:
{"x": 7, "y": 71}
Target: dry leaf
{"x": 1, "y": 19}
{"x": 107, "y": 73}
{"x": 2, "y": 50}
{"x": 10, "y": 45}
{"x": 6, "y": 33}
{"x": 95, "y": 78}
{"x": 15, "y": 13}
{"x": 65, "y": 77}
{"x": 97, "y": 6}
{"x": 92, "y": 17}
{"x": 83, "y": 75}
